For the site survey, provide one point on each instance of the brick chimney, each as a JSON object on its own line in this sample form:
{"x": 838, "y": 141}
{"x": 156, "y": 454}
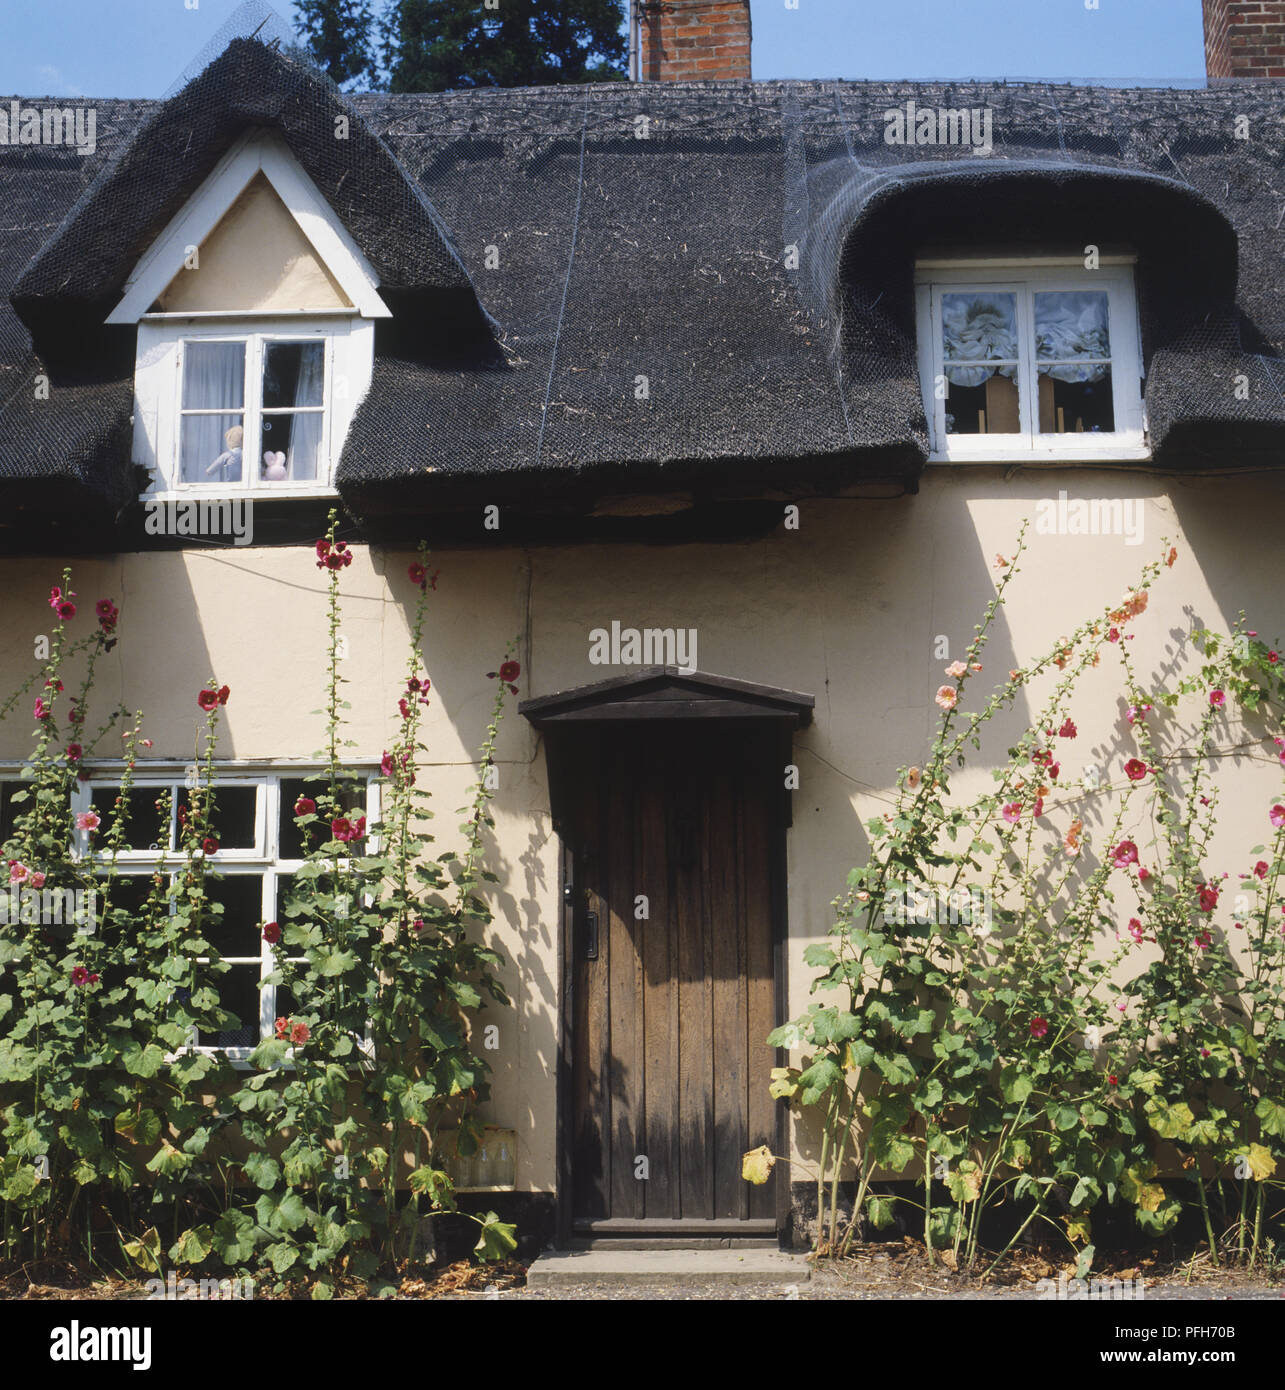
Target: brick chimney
{"x": 686, "y": 40}
{"x": 1244, "y": 38}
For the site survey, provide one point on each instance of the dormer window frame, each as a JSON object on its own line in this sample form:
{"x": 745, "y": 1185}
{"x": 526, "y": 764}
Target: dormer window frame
{"x": 346, "y": 331}
{"x": 1023, "y": 277}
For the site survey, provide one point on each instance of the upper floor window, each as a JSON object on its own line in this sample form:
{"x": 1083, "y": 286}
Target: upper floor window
{"x": 1028, "y": 360}
{"x": 255, "y": 313}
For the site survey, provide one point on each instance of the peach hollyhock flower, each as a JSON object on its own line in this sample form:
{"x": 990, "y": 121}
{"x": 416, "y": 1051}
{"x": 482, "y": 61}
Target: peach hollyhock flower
{"x": 18, "y": 873}
{"x": 977, "y": 665}
{"x": 956, "y": 669}
{"x": 37, "y": 879}
{"x": 913, "y": 778}
{"x": 87, "y": 820}
{"x": 283, "y": 1027}
{"x": 1000, "y": 562}
{"x": 300, "y": 1033}
{"x": 947, "y": 696}
{"x": 1172, "y": 556}
{"x": 1136, "y": 603}
{"x": 1072, "y": 841}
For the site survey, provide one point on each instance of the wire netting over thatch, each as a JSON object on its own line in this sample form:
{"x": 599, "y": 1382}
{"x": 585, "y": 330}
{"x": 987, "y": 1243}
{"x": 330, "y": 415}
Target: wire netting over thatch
{"x": 598, "y": 281}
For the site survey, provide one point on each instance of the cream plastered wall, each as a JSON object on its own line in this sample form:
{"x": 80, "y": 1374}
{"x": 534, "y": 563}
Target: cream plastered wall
{"x": 848, "y": 607}
{"x": 255, "y": 258}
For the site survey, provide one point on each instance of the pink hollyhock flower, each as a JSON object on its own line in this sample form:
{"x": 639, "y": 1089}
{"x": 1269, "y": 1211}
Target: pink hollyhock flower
{"x": 207, "y": 699}
{"x": 37, "y": 879}
{"x": 93, "y": 978}
{"x": 1038, "y": 808}
{"x": 1053, "y": 769}
{"x": 417, "y": 925}
{"x": 1260, "y": 869}
{"x": 1278, "y": 815}
{"x": 1013, "y": 812}
{"x": 1113, "y": 635}
{"x": 1122, "y": 1007}
{"x": 1039, "y": 1026}
{"x": 300, "y": 1033}
{"x": 1204, "y": 1052}
{"x": 1143, "y": 875}
{"x": 956, "y": 669}
{"x": 1217, "y": 699}
{"x": 1208, "y": 898}
{"x": 79, "y": 975}
{"x": 74, "y": 752}
{"x": 18, "y": 873}
{"x": 87, "y": 820}
{"x": 1135, "y": 929}
{"x": 1124, "y": 854}
{"x": 1068, "y": 730}
{"x": 271, "y": 933}
{"x": 341, "y": 828}
{"x": 947, "y": 696}
{"x": 1135, "y": 769}
{"x": 41, "y": 711}
{"x": 386, "y": 768}
{"x": 108, "y": 614}
{"x": 305, "y": 806}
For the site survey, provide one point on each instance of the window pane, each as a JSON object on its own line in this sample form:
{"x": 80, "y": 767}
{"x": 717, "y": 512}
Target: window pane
{"x": 1069, "y": 407}
{"x": 1072, "y": 324}
{"x": 292, "y": 374}
{"x": 143, "y": 824}
{"x": 978, "y": 327}
{"x": 129, "y": 893}
{"x": 239, "y": 995}
{"x": 232, "y": 817}
{"x": 352, "y": 797}
{"x": 213, "y": 376}
{"x": 991, "y": 407}
{"x": 8, "y": 811}
{"x": 236, "y": 932}
{"x": 210, "y": 449}
{"x": 291, "y": 447}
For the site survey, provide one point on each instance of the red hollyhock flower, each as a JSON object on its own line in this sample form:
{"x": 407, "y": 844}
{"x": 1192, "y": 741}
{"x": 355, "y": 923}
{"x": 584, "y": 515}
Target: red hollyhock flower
{"x": 386, "y": 768}
{"x": 404, "y": 707}
{"x": 74, "y": 752}
{"x": 305, "y": 806}
{"x": 1053, "y": 769}
{"x": 79, "y": 975}
{"x": 1124, "y": 854}
{"x": 1135, "y": 769}
{"x": 341, "y": 828}
{"x": 66, "y": 610}
{"x": 93, "y": 978}
{"x": 1068, "y": 730}
{"x": 1039, "y": 1026}
{"x": 210, "y": 845}
{"x": 271, "y": 933}
{"x": 1208, "y": 898}
{"x": 1113, "y": 1081}
{"x": 282, "y": 1027}
{"x": 417, "y": 574}
{"x": 1204, "y": 940}
{"x": 1273, "y": 658}
{"x": 207, "y": 699}
{"x": 224, "y": 692}
{"x": 1260, "y": 869}
{"x": 510, "y": 671}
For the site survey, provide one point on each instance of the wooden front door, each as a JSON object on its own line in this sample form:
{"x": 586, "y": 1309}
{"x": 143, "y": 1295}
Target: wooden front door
{"x": 675, "y": 860}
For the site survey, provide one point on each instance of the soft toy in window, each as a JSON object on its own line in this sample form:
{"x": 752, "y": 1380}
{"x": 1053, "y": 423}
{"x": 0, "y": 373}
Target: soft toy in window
{"x": 274, "y": 466}
{"x": 228, "y": 463}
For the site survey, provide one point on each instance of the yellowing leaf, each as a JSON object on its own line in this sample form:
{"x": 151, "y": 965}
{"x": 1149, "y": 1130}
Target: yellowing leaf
{"x": 785, "y": 1082}
{"x": 1078, "y": 1227}
{"x": 756, "y": 1166}
{"x": 1261, "y": 1163}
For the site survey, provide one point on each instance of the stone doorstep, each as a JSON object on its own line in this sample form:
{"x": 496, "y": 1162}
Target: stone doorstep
{"x": 556, "y": 1267}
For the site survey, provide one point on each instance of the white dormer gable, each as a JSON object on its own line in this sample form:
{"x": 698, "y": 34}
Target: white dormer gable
{"x": 255, "y": 311}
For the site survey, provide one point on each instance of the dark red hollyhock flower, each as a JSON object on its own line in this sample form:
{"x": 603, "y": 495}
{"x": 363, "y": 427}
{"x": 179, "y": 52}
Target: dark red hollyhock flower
{"x": 224, "y": 692}
{"x": 404, "y": 707}
{"x": 108, "y": 614}
{"x": 1039, "y": 1026}
{"x": 305, "y": 806}
{"x": 74, "y": 752}
{"x": 1208, "y": 898}
{"x": 79, "y": 975}
{"x": 510, "y": 671}
{"x": 53, "y": 685}
{"x": 207, "y": 699}
{"x": 271, "y": 933}
{"x": 323, "y": 551}
{"x": 417, "y": 574}
{"x": 210, "y": 845}
{"x": 386, "y": 765}
{"x": 93, "y": 978}
{"x": 66, "y": 610}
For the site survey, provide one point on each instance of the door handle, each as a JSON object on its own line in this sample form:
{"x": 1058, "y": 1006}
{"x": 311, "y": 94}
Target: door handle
{"x": 591, "y": 936}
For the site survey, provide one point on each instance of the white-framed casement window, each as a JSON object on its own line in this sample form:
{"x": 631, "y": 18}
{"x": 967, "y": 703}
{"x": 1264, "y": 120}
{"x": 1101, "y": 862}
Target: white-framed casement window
{"x": 259, "y": 852}
{"x": 1030, "y": 360}
{"x": 255, "y": 313}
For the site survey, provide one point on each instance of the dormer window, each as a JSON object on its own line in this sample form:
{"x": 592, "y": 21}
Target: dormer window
{"x": 1030, "y": 360}
{"x": 255, "y": 313}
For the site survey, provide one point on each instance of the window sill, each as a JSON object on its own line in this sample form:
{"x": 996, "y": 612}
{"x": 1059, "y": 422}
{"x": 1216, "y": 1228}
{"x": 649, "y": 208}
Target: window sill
{"x": 1110, "y": 453}
{"x": 197, "y": 493}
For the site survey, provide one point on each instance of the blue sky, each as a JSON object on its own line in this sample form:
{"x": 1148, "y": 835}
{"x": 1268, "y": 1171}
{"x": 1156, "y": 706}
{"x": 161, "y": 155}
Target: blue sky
{"x": 113, "y": 48}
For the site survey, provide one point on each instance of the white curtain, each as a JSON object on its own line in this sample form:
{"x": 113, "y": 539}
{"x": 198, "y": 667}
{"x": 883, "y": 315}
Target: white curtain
{"x": 1072, "y": 324}
{"x": 978, "y": 328}
{"x": 213, "y": 379}
{"x": 305, "y": 436}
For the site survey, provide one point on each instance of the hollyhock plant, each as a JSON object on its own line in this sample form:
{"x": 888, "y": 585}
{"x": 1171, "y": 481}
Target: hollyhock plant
{"x": 1124, "y": 854}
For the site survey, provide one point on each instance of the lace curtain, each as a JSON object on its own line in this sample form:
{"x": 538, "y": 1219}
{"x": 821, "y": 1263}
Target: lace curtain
{"x": 980, "y": 330}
